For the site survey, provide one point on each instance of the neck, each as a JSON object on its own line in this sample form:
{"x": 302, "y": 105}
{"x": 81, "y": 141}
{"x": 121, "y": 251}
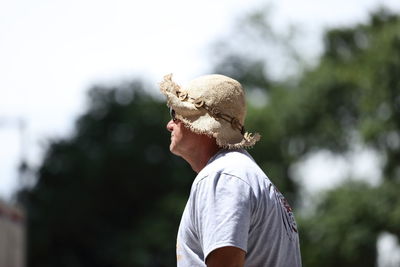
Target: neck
{"x": 199, "y": 156}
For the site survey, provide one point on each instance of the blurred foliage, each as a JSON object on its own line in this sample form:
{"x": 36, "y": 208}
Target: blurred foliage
{"x": 112, "y": 195}
{"x": 343, "y": 229}
{"x": 359, "y": 73}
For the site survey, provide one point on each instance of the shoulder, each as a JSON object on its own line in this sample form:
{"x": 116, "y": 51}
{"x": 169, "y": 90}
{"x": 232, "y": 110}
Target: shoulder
{"x": 235, "y": 164}
{"x": 234, "y": 169}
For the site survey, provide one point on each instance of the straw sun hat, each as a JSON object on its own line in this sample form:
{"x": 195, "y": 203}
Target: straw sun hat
{"x": 214, "y": 105}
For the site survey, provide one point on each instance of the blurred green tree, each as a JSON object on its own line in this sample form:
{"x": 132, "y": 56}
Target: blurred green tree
{"x": 112, "y": 194}
{"x": 359, "y": 73}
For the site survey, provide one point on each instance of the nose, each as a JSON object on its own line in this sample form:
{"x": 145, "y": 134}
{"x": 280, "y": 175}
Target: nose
{"x": 170, "y": 125}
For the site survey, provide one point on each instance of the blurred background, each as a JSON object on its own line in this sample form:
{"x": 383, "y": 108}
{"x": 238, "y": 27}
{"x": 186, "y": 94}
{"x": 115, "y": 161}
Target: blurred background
{"x": 86, "y": 176}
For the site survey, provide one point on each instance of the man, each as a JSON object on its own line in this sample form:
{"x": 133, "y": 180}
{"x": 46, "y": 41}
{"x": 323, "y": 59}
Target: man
{"x": 234, "y": 215}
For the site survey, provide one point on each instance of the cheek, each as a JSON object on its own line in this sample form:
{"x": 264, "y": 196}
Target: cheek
{"x": 176, "y": 137}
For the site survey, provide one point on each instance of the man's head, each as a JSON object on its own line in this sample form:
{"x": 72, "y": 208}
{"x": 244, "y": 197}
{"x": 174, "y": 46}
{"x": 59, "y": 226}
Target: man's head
{"x": 211, "y": 105}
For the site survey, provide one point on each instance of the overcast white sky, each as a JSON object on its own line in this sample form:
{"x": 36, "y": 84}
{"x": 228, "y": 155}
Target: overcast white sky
{"x": 51, "y": 52}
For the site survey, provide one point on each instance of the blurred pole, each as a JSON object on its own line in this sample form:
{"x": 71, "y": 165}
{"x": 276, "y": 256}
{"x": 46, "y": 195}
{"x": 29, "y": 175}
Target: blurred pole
{"x": 22, "y": 135}
{"x": 23, "y": 169}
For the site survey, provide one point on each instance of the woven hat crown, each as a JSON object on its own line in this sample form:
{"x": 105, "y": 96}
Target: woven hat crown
{"x": 212, "y": 104}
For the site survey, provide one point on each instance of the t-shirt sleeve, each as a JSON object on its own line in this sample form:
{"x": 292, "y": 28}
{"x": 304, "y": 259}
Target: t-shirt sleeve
{"x": 222, "y": 212}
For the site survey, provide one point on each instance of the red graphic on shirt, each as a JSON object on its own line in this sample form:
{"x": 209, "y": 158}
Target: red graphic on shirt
{"x": 287, "y": 212}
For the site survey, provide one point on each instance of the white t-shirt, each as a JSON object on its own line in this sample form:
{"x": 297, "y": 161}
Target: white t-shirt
{"x": 233, "y": 203}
